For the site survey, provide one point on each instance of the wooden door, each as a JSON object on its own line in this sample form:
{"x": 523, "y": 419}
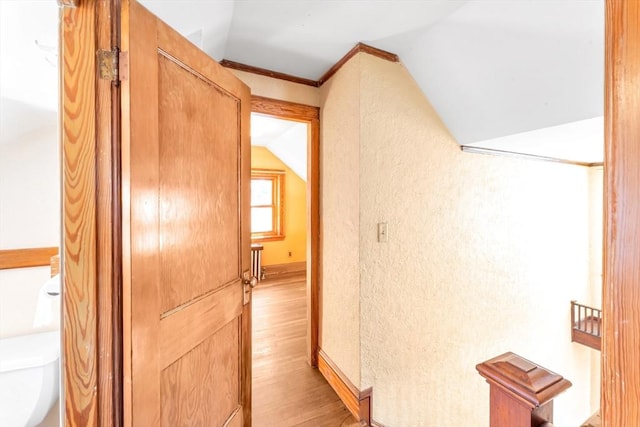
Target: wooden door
{"x": 185, "y": 174}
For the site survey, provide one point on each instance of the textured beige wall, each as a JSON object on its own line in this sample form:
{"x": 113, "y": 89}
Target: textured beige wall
{"x": 484, "y": 255}
{"x": 280, "y": 89}
{"x": 29, "y": 217}
{"x": 339, "y": 160}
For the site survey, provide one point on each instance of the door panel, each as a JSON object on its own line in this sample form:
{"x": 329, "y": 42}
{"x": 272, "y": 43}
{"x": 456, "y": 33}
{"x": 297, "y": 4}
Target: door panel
{"x": 213, "y": 312}
{"x": 198, "y": 175}
{"x": 185, "y": 172}
{"x": 201, "y": 388}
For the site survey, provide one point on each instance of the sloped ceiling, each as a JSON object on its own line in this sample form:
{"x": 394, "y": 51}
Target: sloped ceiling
{"x": 28, "y": 67}
{"x": 492, "y": 68}
{"x": 302, "y": 38}
{"x": 286, "y": 139}
{"x": 495, "y": 70}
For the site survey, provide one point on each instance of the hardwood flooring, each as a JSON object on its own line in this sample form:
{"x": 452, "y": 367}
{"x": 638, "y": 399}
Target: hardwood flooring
{"x": 286, "y": 390}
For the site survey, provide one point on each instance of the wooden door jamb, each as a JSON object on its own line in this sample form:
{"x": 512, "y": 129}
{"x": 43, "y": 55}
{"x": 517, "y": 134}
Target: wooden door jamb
{"x": 310, "y": 115}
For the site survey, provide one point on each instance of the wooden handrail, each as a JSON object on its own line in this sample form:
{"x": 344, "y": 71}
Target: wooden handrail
{"x": 29, "y": 257}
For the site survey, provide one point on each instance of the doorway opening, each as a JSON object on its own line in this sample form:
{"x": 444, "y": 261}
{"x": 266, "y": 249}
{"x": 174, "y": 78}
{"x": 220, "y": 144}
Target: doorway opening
{"x": 286, "y": 303}
{"x": 310, "y": 117}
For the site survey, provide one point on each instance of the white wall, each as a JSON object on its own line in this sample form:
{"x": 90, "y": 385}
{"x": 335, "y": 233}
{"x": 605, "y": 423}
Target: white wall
{"x": 29, "y": 218}
{"x": 596, "y": 224}
{"x": 484, "y": 256}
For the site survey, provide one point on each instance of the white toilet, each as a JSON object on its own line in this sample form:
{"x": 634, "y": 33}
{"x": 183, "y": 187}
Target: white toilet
{"x": 28, "y": 378}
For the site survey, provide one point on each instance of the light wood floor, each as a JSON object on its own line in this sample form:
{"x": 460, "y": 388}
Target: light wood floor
{"x": 286, "y": 390}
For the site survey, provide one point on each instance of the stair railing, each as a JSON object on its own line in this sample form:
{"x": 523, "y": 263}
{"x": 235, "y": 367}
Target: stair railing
{"x": 586, "y": 325}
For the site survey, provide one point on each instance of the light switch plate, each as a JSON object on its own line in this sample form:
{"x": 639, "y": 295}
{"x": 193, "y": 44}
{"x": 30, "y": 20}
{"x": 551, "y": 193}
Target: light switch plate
{"x": 383, "y": 232}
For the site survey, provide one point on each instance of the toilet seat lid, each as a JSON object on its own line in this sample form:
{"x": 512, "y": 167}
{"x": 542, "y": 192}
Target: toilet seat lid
{"x": 29, "y": 351}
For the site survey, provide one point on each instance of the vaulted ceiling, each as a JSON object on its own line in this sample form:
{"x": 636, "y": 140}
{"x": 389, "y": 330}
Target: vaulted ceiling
{"x": 495, "y": 70}
{"x": 28, "y": 67}
{"x": 286, "y": 139}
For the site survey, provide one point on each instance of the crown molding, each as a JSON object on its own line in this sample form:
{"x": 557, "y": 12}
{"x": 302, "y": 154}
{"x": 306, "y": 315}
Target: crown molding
{"x": 269, "y": 73}
{"x": 359, "y": 48}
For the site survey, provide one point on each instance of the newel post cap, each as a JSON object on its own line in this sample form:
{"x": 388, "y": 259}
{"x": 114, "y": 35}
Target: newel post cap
{"x": 522, "y": 379}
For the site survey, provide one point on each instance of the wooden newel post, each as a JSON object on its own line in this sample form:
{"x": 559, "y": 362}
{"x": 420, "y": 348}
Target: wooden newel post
{"x": 521, "y": 392}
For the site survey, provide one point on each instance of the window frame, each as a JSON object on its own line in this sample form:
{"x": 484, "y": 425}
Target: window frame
{"x": 277, "y": 178}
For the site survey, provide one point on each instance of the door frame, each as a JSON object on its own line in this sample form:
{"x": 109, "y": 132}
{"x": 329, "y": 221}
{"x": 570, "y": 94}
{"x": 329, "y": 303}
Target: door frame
{"x": 91, "y": 251}
{"x": 620, "y": 374}
{"x": 91, "y": 342}
{"x": 311, "y": 116}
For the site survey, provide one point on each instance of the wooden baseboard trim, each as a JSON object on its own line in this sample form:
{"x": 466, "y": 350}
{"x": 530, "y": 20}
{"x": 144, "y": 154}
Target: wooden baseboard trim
{"x": 30, "y": 257}
{"x": 359, "y": 403}
{"x": 275, "y": 271}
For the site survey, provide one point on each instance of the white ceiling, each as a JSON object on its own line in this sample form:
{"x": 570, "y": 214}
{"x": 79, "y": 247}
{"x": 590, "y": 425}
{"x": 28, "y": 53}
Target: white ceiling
{"x": 579, "y": 141}
{"x": 491, "y": 68}
{"x": 286, "y": 139}
{"x": 303, "y": 38}
{"x": 28, "y": 67}
{"x": 494, "y": 69}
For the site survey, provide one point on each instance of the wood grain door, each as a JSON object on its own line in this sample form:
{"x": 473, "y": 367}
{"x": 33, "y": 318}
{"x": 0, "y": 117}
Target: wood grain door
{"x": 185, "y": 174}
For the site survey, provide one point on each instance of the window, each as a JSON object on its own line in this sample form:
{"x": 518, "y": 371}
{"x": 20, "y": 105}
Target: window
{"x": 267, "y": 204}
